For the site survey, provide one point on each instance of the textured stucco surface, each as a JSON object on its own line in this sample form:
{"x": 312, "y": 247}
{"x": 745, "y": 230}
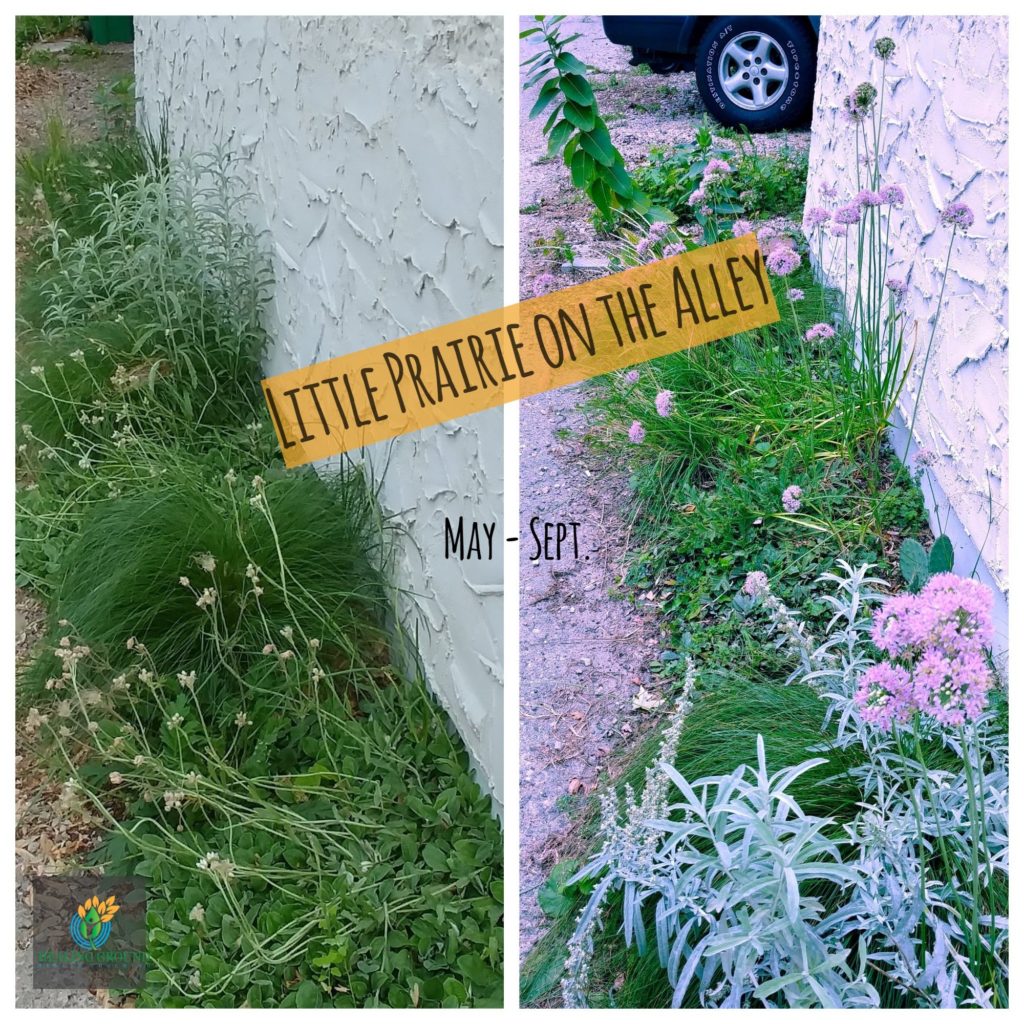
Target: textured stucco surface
{"x": 374, "y": 148}
{"x": 944, "y": 137}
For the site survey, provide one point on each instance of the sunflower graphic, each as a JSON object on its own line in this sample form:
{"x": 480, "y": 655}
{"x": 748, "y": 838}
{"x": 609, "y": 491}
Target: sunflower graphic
{"x": 90, "y": 926}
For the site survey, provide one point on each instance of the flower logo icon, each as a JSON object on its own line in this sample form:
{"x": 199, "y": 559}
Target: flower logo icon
{"x": 90, "y": 926}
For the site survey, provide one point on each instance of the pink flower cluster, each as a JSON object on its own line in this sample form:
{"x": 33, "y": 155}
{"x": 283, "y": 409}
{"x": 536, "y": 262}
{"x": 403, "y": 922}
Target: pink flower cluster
{"x": 663, "y": 403}
{"x": 715, "y": 171}
{"x": 936, "y": 640}
{"x": 755, "y": 584}
{"x": 958, "y": 215}
{"x": 782, "y": 260}
{"x": 637, "y": 432}
{"x": 849, "y": 214}
{"x": 843, "y": 216}
{"x": 791, "y": 498}
{"x": 819, "y": 332}
{"x": 816, "y": 215}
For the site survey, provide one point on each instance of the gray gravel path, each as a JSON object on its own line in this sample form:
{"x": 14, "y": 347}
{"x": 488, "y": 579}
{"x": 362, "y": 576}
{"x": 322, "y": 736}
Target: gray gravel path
{"x": 583, "y": 648}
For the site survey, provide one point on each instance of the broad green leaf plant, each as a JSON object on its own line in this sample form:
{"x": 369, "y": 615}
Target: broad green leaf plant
{"x": 574, "y": 126}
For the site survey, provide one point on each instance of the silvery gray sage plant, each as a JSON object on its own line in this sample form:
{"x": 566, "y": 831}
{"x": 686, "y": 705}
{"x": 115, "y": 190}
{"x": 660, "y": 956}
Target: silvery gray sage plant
{"x": 755, "y": 903}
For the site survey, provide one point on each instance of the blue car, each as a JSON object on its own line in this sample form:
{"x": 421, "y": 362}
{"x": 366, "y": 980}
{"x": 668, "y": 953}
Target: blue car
{"x": 752, "y": 70}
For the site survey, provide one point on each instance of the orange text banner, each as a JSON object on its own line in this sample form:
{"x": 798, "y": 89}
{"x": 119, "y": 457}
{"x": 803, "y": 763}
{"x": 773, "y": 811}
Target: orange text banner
{"x": 536, "y": 345}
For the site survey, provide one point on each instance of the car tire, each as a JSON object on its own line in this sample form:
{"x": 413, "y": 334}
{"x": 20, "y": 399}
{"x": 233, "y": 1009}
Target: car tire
{"x": 728, "y": 58}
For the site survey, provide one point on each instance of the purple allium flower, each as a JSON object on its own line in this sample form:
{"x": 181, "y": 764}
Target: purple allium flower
{"x": 632, "y": 376}
{"x": 816, "y": 215}
{"x": 755, "y": 584}
{"x": 940, "y": 636}
{"x": 958, "y": 215}
{"x": 923, "y": 458}
{"x": 663, "y": 403}
{"x": 820, "y": 332}
{"x": 953, "y": 690}
{"x": 865, "y": 197}
{"x": 637, "y": 432}
{"x": 885, "y": 695}
{"x": 892, "y": 628}
{"x": 791, "y": 498}
{"x": 849, "y": 214}
{"x": 659, "y": 229}
{"x": 543, "y": 284}
{"x": 829, "y": 192}
{"x": 675, "y": 249}
{"x": 706, "y": 211}
{"x": 782, "y": 260}
{"x": 697, "y": 196}
{"x": 741, "y": 227}
{"x": 838, "y": 229}
{"x": 642, "y": 246}
{"x": 897, "y": 287}
{"x": 957, "y": 611}
{"x": 795, "y": 294}
{"x": 858, "y": 103}
{"x": 892, "y": 195}
{"x": 884, "y": 48}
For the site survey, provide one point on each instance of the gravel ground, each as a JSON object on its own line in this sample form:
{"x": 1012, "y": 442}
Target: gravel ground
{"x": 584, "y": 650}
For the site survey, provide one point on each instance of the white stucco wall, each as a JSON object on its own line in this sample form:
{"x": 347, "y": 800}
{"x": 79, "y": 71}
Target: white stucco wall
{"x": 374, "y": 148}
{"x": 945, "y": 137}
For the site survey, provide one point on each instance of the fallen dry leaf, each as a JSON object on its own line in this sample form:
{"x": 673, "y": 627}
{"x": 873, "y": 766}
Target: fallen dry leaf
{"x": 644, "y": 700}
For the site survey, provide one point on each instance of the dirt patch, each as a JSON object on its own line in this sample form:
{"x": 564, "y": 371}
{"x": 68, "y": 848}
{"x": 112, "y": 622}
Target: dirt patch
{"x": 66, "y": 89}
{"x": 584, "y": 650}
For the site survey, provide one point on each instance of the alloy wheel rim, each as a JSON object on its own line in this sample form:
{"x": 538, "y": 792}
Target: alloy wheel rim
{"x": 753, "y": 70}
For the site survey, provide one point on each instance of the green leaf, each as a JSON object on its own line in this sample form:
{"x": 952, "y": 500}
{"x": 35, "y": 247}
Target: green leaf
{"x": 914, "y": 564}
{"x": 603, "y": 152}
{"x": 307, "y": 996}
{"x": 553, "y": 897}
{"x": 570, "y": 65}
{"x": 473, "y": 967}
{"x": 582, "y": 117}
{"x": 553, "y": 117}
{"x": 602, "y": 196}
{"x": 434, "y": 857}
{"x": 582, "y": 168}
{"x": 940, "y": 558}
{"x": 619, "y": 178}
{"x": 549, "y": 91}
{"x": 559, "y": 135}
{"x": 577, "y": 89}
